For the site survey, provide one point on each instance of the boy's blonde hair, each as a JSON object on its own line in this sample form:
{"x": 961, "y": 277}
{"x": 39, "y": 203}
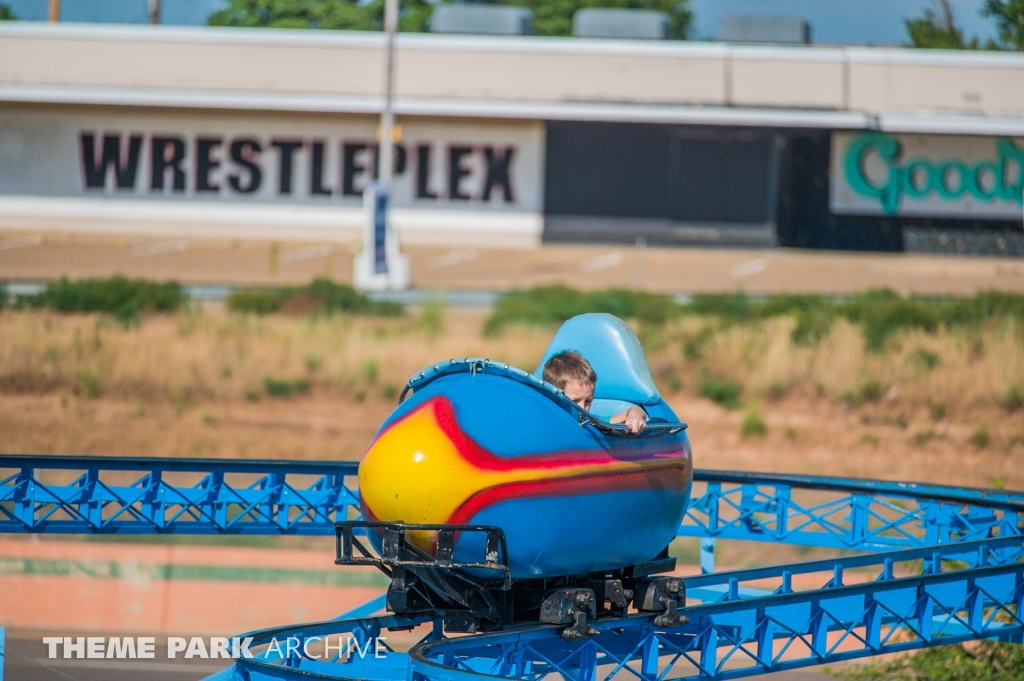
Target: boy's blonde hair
{"x": 566, "y": 366}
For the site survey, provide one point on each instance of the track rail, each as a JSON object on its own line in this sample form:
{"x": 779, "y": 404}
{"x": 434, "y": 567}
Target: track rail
{"x": 939, "y": 565}
{"x": 101, "y": 495}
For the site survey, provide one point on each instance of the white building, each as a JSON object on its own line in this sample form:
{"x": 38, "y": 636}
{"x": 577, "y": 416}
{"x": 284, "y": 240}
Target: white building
{"x": 259, "y": 133}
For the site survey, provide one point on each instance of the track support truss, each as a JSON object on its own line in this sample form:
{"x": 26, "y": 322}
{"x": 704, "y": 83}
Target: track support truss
{"x": 934, "y": 565}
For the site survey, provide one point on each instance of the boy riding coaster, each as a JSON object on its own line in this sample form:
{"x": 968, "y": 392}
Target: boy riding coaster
{"x": 570, "y": 372}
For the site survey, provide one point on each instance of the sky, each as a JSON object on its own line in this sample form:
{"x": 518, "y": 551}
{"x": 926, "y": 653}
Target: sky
{"x": 876, "y": 22}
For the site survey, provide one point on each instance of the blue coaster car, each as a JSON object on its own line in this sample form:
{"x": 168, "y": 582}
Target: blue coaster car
{"x": 486, "y": 470}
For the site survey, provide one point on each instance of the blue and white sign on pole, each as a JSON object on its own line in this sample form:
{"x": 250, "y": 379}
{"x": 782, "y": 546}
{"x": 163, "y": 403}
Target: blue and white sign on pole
{"x": 380, "y": 223}
{"x": 380, "y": 266}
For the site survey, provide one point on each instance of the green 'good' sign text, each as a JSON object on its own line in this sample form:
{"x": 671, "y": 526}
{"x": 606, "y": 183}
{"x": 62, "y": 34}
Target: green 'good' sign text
{"x": 988, "y": 180}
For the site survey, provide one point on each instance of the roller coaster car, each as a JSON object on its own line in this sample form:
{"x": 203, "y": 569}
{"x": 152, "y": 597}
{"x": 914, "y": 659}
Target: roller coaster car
{"x": 489, "y": 498}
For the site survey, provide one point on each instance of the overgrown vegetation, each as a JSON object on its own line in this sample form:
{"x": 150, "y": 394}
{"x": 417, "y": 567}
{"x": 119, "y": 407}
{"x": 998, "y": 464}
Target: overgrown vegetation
{"x": 119, "y": 296}
{"x": 753, "y": 424}
{"x": 5, "y": 13}
{"x": 722, "y": 392}
{"x": 879, "y": 312}
{"x": 981, "y": 661}
{"x": 924, "y": 372}
{"x": 549, "y": 305}
{"x": 276, "y": 387}
{"x": 125, "y": 299}
{"x": 321, "y": 296}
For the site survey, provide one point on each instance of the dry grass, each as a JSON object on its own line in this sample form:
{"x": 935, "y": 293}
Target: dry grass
{"x": 193, "y": 384}
{"x": 963, "y": 369}
{"x": 203, "y": 355}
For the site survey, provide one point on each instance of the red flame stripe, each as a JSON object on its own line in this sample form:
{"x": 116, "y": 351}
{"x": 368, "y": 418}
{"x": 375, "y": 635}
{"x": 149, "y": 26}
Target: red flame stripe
{"x": 670, "y": 478}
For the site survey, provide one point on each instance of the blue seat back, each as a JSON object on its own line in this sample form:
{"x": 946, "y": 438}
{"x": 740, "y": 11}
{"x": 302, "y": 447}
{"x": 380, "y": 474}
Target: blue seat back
{"x": 613, "y": 349}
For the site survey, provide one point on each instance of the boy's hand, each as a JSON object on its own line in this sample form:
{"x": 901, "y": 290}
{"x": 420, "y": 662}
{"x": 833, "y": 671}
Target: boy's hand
{"x": 636, "y": 420}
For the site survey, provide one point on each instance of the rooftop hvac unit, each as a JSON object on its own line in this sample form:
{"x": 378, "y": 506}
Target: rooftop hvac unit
{"x": 764, "y": 29}
{"x": 643, "y": 24}
{"x": 481, "y": 20}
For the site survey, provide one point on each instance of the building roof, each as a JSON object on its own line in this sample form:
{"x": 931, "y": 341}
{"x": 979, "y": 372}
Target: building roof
{"x": 515, "y": 77}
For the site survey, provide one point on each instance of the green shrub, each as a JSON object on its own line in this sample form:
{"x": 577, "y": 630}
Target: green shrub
{"x": 127, "y": 315}
{"x": 550, "y": 305}
{"x": 389, "y": 391}
{"x": 979, "y": 308}
{"x": 276, "y": 387}
{"x": 321, "y": 296}
{"x": 868, "y": 390}
{"x": 882, "y": 313}
{"x": 385, "y": 308}
{"x": 879, "y": 312}
{"x": 732, "y": 307}
{"x": 1014, "y": 398}
{"x": 280, "y": 388}
{"x": 810, "y": 327}
{"x": 980, "y": 437}
{"x": 923, "y": 436}
{"x": 91, "y": 381}
{"x": 813, "y": 314}
{"x": 924, "y": 360}
{"x": 118, "y": 295}
{"x": 753, "y": 425}
{"x": 255, "y": 300}
{"x": 335, "y": 297}
{"x": 371, "y": 369}
{"x": 432, "y": 318}
{"x": 725, "y": 393}
{"x": 182, "y": 393}
{"x": 693, "y": 346}
{"x": 900, "y": 421}
{"x": 793, "y": 304}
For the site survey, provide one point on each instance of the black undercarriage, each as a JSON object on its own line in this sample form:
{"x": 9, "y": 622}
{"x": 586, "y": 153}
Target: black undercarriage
{"x": 482, "y": 596}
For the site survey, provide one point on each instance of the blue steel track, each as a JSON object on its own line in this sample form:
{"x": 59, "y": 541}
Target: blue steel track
{"x": 922, "y": 565}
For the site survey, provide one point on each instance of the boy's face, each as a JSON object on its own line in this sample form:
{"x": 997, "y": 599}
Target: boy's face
{"x": 580, "y": 393}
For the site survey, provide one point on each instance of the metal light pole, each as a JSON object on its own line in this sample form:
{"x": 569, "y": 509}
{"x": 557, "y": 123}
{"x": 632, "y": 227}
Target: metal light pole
{"x": 154, "y": 12}
{"x": 387, "y": 117}
{"x": 381, "y": 265}
{"x": 54, "y": 10}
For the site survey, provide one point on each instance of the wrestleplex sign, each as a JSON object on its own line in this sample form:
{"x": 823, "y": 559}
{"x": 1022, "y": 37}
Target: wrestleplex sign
{"x": 278, "y": 159}
{"x": 927, "y": 175}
